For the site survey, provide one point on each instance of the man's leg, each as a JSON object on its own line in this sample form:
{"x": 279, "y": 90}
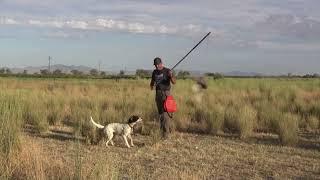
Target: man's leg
{"x": 164, "y": 117}
{"x": 165, "y": 123}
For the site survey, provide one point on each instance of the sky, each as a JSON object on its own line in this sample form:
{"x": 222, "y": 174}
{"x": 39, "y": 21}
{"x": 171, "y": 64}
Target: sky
{"x": 264, "y": 36}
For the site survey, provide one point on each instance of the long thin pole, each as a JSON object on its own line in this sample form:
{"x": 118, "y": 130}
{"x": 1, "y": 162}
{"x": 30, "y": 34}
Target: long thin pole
{"x": 191, "y": 50}
{"x": 49, "y": 67}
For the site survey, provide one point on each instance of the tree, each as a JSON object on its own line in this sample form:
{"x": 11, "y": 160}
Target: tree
{"x": 183, "y": 74}
{"x": 57, "y": 72}
{"x": 76, "y": 72}
{"x": 215, "y": 75}
{"x": 25, "y": 71}
{"x": 143, "y": 73}
{"x": 94, "y": 72}
{"x": 102, "y": 73}
{"x": 8, "y": 71}
{"x": 44, "y": 71}
{"x": 2, "y": 70}
{"x": 121, "y": 73}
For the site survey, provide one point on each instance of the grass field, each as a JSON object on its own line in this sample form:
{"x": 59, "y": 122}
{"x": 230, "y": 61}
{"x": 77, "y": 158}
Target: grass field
{"x": 237, "y": 128}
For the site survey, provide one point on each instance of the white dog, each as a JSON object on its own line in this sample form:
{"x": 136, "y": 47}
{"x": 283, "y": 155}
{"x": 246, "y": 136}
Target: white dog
{"x": 123, "y": 130}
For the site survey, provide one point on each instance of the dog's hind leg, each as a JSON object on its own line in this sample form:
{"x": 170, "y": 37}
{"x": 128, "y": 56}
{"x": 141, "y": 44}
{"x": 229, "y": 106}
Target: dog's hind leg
{"x": 131, "y": 141}
{"x": 125, "y": 140}
{"x": 111, "y": 142}
{"x": 110, "y": 136}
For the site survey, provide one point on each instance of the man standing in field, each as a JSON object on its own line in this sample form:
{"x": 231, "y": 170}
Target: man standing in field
{"x": 162, "y": 78}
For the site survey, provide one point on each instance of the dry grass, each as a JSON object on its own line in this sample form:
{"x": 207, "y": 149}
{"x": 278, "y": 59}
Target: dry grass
{"x": 229, "y": 107}
{"x": 288, "y": 129}
{"x": 184, "y": 156}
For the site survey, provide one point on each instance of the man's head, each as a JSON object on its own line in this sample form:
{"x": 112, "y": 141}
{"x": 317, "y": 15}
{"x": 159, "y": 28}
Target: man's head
{"x": 157, "y": 62}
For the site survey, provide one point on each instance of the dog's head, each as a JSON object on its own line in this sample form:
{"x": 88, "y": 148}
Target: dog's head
{"x": 134, "y": 119}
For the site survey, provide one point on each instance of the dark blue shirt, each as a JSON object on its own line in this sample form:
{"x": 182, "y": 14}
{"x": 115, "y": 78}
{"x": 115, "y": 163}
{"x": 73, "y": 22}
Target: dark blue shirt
{"x": 161, "y": 79}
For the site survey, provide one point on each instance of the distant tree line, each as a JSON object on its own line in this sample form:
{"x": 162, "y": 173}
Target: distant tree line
{"x": 141, "y": 73}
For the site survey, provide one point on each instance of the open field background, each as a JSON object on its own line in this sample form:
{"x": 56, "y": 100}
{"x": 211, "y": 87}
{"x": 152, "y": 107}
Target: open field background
{"x": 251, "y": 128}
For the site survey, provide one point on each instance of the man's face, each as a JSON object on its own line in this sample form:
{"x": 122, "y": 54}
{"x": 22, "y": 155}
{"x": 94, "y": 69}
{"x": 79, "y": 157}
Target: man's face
{"x": 159, "y": 66}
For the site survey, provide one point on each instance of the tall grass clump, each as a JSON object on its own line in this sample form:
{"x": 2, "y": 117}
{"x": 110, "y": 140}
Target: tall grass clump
{"x": 313, "y": 122}
{"x": 34, "y": 114}
{"x": 216, "y": 120}
{"x": 247, "y": 121}
{"x": 201, "y": 121}
{"x": 80, "y": 119}
{"x": 267, "y": 117}
{"x": 288, "y": 129}
{"x": 240, "y": 120}
{"x": 10, "y": 127}
{"x": 230, "y": 119}
{"x": 30, "y": 163}
{"x": 54, "y": 108}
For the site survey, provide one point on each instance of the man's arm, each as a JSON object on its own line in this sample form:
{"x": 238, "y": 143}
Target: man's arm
{"x": 152, "y": 81}
{"x": 172, "y": 78}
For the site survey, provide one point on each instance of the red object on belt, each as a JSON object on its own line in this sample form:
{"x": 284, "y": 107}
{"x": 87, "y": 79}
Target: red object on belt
{"x": 170, "y": 104}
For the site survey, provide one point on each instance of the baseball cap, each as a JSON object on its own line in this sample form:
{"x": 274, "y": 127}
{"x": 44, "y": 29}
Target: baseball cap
{"x": 157, "y": 61}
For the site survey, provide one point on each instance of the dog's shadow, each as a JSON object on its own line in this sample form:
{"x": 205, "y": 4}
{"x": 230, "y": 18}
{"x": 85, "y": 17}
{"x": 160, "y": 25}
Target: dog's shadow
{"x": 61, "y": 135}
{"x": 119, "y": 142}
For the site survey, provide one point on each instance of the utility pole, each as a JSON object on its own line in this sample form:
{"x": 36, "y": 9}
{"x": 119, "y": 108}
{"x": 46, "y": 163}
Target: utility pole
{"x": 49, "y": 66}
{"x": 99, "y": 66}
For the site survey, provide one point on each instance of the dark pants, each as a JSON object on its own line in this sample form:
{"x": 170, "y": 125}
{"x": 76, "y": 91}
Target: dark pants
{"x": 164, "y": 117}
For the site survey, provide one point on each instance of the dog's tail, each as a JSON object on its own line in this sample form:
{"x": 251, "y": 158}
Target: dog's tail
{"x": 96, "y": 124}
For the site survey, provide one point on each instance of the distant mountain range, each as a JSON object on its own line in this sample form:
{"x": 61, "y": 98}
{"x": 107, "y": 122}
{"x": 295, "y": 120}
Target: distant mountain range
{"x": 63, "y": 68}
{"x": 86, "y": 69}
{"x": 240, "y": 73}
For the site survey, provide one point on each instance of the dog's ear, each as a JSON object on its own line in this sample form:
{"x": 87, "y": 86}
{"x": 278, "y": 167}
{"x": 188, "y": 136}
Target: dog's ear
{"x": 133, "y": 119}
{"x": 130, "y": 120}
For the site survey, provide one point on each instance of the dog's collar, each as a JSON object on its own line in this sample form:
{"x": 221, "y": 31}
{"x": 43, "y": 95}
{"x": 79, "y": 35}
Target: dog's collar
{"x": 130, "y": 126}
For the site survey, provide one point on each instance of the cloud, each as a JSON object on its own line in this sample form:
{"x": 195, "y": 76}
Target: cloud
{"x": 291, "y": 26}
{"x": 296, "y": 47}
{"x": 8, "y": 21}
{"x": 234, "y": 23}
{"x": 107, "y": 24}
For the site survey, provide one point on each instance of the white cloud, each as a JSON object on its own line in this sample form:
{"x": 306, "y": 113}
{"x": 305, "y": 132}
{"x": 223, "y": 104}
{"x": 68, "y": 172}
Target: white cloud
{"x": 108, "y": 24}
{"x": 8, "y": 21}
{"x": 297, "y": 47}
{"x": 11, "y": 22}
{"x": 77, "y": 24}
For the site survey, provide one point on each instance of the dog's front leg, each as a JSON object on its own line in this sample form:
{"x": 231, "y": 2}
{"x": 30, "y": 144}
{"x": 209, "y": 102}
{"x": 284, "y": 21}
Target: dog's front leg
{"x": 131, "y": 141}
{"x": 126, "y": 141}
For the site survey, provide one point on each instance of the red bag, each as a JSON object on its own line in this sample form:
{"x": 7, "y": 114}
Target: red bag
{"x": 170, "y": 105}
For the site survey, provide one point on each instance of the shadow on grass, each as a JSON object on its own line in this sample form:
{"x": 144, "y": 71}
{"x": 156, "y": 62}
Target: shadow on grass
{"x": 60, "y": 135}
{"x": 307, "y": 140}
